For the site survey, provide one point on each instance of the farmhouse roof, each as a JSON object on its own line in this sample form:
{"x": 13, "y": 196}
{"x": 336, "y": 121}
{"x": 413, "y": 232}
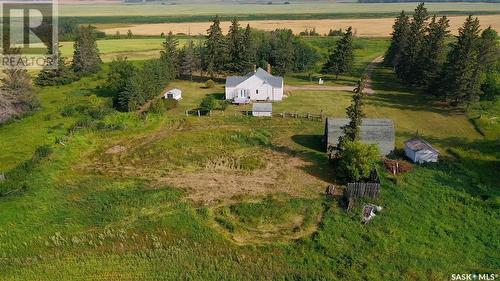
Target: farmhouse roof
{"x": 275, "y": 81}
{"x": 174, "y": 91}
{"x": 262, "y": 107}
{"x": 418, "y": 144}
{"x": 373, "y": 131}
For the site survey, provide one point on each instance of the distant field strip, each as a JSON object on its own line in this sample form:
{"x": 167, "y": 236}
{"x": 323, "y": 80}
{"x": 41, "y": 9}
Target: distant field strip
{"x": 362, "y": 27}
{"x": 190, "y": 10}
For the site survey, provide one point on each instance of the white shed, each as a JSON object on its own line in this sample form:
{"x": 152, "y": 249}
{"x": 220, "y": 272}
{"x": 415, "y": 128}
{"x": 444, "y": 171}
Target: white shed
{"x": 420, "y": 151}
{"x": 262, "y": 109}
{"x": 175, "y": 94}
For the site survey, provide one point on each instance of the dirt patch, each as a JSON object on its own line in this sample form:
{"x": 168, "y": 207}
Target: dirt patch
{"x": 282, "y": 173}
{"x": 377, "y": 27}
{"x": 116, "y": 149}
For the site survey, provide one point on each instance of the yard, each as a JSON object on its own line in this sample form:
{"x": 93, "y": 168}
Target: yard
{"x": 233, "y": 197}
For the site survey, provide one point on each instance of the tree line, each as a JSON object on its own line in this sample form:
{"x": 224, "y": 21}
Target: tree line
{"x": 240, "y": 50}
{"x": 459, "y": 71}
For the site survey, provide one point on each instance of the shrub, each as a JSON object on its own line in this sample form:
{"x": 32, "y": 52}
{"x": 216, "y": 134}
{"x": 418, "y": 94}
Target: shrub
{"x": 357, "y": 160}
{"x": 209, "y": 103}
{"x": 209, "y": 84}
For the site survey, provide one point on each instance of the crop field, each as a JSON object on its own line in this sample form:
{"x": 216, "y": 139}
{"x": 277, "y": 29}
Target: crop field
{"x": 375, "y": 27}
{"x": 232, "y": 197}
{"x": 230, "y": 9}
{"x": 133, "y": 49}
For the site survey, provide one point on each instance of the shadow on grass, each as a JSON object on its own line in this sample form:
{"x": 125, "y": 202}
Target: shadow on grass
{"x": 314, "y": 142}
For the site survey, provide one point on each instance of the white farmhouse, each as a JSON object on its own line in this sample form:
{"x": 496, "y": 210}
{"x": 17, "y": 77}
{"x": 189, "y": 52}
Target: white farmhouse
{"x": 420, "y": 151}
{"x": 175, "y": 94}
{"x": 257, "y": 85}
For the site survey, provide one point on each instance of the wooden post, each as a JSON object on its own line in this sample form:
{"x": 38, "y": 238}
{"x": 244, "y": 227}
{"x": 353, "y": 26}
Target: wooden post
{"x": 198, "y": 112}
{"x": 187, "y": 114}
{"x": 210, "y": 113}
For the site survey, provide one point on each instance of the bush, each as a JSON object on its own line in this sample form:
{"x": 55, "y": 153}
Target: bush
{"x": 162, "y": 105}
{"x": 209, "y": 84}
{"x": 357, "y": 160}
{"x": 209, "y": 103}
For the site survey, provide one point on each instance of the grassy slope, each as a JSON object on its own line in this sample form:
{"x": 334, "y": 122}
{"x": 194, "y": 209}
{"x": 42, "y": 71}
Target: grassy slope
{"x": 71, "y": 224}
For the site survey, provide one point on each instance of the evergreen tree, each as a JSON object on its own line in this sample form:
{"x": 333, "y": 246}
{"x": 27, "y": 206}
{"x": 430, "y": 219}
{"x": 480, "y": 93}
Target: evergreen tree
{"x": 355, "y": 115}
{"x": 86, "y": 58}
{"x": 399, "y": 40}
{"x": 248, "y": 57}
{"x": 120, "y": 72}
{"x": 235, "y": 48}
{"x": 216, "y": 49}
{"x": 434, "y": 50}
{"x": 342, "y": 58}
{"x": 51, "y": 75}
{"x": 16, "y": 91}
{"x": 489, "y": 53}
{"x": 409, "y": 68}
{"x": 169, "y": 54}
{"x": 283, "y": 56}
{"x": 460, "y": 82}
{"x": 188, "y": 64}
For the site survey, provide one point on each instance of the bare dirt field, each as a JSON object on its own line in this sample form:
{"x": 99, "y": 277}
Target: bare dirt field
{"x": 380, "y": 27}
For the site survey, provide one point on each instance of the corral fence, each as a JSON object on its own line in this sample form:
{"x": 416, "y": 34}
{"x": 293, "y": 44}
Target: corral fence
{"x": 199, "y": 112}
{"x": 296, "y": 115}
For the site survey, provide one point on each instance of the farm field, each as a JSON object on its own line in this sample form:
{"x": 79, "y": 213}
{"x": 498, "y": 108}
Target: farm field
{"x": 373, "y": 27}
{"x": 133, "y": 49}
{"x": 188, "y": 10}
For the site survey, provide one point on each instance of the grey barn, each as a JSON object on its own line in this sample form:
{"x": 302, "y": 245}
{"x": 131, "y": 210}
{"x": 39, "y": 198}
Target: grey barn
{"x": 373, "y": 131}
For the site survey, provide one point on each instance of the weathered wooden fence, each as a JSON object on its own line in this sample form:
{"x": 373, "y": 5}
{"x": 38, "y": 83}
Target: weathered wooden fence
{"x": 362, "y": 189}
{"x": 198, "y": 112}
{"x": 307, "y": 115}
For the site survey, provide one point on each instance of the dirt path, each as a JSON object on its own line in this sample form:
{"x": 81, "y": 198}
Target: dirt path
{"x": 368, "y": 89}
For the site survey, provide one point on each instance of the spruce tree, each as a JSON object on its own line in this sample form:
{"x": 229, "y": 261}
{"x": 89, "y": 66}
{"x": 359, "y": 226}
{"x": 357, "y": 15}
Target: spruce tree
{"x": 342, "y": 58}
{"x": 409, "y": 68}
{"x": 169, "y": 54}
{"x": 489, "y": 53}
{"x": 86, "y": 59}
{"x": 235, "y": 48}
{"x": 399, "y": 40}
{"x": 355, "y": 115}
{"x": 61, "y": 74}
{"x": 216, "y": 49}
{"x": 188, "y": 64}
{"x": 460, "y": 82}
{"x": 248, "y": 58}
{"x": 433, "y": 53}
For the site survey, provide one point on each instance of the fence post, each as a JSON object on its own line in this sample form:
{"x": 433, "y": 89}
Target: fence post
{"x": 210, "y": 113}
{"x": 308, "y": 115}
{"x": 198, "y": 113}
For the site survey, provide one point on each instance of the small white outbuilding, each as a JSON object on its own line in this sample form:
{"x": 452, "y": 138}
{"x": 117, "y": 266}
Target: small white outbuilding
{"x": 262, "y": 109}
{"x": 175, "y": 94}
{"x": 420, "y": 151}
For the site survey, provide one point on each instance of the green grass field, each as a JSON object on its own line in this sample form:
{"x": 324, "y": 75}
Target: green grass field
{"x": 133, "y": 49}
{"x": 231, "y": 197}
